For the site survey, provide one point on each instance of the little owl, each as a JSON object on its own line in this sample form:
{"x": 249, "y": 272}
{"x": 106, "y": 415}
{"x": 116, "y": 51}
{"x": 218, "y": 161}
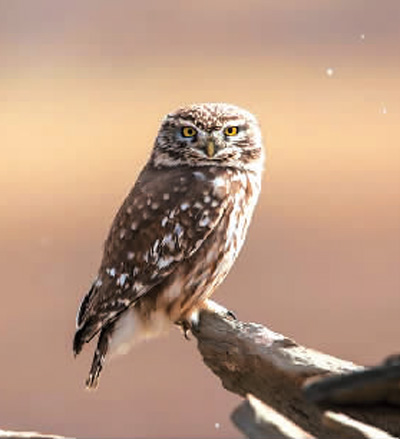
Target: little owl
{"x": 179, "y": 231}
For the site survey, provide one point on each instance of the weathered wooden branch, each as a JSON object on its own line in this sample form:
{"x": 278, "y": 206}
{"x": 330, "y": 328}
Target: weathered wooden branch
{"x": 258, "y": 421}
{"x": 372, "y": 386}
{"x": 273, "y": 369}
{"x": 292, "y": 391}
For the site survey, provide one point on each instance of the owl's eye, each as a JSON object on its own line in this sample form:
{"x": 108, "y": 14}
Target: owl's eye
{"x": 231, "y": 131}
{"x": 188, "y": 132}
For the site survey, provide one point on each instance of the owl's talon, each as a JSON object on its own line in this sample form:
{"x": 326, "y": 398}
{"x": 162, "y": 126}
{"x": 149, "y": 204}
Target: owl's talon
{"x": 216, "y": 308}
{"x": 186, "y": 334}
{"x": 231, "y": 315}
{"x": 185, "y": 328}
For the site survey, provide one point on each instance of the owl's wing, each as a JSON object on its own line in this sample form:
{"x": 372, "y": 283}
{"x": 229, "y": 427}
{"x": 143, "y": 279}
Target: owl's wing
{"x": 163, "y": 221}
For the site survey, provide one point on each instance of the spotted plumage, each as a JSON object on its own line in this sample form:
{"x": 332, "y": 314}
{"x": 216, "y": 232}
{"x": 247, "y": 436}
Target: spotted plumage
{"x": 178, "y": 232}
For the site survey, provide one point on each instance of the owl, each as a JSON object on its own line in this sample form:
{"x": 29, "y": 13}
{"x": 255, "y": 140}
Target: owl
{"x": 178, "y": 232}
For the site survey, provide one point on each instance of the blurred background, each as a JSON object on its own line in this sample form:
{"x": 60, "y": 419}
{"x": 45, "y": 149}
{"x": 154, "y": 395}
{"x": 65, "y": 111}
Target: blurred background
{"x": 83, "y": 87}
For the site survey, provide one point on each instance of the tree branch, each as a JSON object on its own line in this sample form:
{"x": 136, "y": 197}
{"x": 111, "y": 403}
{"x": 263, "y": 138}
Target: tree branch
{"x": 292, "y": 391}
{"x": 251, "y": 359}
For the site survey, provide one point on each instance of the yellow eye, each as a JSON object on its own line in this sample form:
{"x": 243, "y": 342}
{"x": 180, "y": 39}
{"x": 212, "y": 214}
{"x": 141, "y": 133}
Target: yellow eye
{"x": 231, "y": 131}
{"x": 188, "y": 132}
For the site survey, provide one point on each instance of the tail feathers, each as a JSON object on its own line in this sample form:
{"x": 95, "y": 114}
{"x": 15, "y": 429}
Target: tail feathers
{"x": 85, "y": 334}
{"x": 84, "y": 305}
{"x": 78, "y": 342}
{"x": 99, "y": 356}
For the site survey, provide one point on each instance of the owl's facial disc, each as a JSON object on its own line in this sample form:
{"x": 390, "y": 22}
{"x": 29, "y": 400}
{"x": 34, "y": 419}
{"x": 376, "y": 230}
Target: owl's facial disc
{"x": 214, "y": 143}
{"x": 209, "y": 135}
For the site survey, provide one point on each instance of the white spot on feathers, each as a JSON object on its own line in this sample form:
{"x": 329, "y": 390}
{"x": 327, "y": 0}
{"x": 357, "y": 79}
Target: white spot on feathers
{"x": 178, "y": 230}
{"x": 111, "y": 271}
{"x": 220, "y": 188}
{"x": 164, "y": 262}
{"x": 130, "y": 255}
{"x": 197, "y": 205}
{"x": 169, "y": 242}
{"x": 199, "y": 176}
{"x": 112, "y": 314}
{"x": 138, "y": 286}
{"x": 185, "y": 206}
{"x": 134, "y": 225}
{"x": 121, "y": 279}
{"x": 156, "y": 245}
{"x": 204, "y": 221}
{"x": 219, "y": 182}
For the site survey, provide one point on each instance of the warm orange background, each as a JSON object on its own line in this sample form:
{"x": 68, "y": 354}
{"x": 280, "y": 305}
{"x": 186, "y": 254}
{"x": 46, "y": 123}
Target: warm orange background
{"x": 83, "y": 86}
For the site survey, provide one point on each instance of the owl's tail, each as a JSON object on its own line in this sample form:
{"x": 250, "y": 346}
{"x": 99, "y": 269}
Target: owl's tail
{"x": 84, "y": 334}
{"x": 100, "y": 353}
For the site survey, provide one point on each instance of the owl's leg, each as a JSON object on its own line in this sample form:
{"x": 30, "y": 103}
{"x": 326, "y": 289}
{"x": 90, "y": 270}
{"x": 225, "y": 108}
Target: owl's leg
{"x": 99, "y": 356}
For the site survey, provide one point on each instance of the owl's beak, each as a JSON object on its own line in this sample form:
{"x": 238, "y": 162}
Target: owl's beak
{"x": 210, "y": 148}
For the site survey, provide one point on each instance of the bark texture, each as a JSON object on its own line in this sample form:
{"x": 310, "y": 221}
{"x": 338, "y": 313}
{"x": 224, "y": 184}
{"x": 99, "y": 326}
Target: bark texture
{"x": 294, "y": 391}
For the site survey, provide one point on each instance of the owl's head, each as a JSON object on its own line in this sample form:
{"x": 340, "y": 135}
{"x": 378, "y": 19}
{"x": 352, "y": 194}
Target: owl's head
{"x": 209, "y": 135}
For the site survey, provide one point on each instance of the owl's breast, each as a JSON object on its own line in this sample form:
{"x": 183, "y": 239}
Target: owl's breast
{"x": 201, "y": 274}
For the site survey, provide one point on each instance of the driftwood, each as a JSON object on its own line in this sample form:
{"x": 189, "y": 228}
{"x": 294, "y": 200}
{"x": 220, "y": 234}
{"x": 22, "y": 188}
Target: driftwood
{"x": 295, "y": 392}
{"x": 292, "y": 391}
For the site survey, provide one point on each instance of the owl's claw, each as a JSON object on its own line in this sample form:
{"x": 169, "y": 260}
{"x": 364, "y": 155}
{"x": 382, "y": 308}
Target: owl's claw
{"x": 231, "y": 315}
{"x": 185, "y": 328}
{"x": 215, "y": 307}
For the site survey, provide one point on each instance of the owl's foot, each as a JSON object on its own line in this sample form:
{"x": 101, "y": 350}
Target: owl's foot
{"x": 185, "y": 328}
{"x": 214, "y": 307}
{"x": 188, "y": 324}
{"x": 191, "y": 323}
{"x": 230, "y": 314}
